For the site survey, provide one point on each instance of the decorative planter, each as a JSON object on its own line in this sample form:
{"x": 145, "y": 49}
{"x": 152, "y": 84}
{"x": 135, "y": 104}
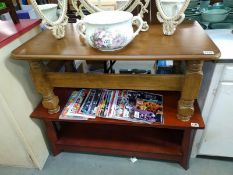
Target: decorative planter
{"x": 109, "y": 30}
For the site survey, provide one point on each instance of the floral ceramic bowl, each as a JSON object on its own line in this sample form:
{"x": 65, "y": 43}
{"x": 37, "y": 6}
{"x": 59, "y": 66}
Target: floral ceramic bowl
{"x": 109, "y": 30}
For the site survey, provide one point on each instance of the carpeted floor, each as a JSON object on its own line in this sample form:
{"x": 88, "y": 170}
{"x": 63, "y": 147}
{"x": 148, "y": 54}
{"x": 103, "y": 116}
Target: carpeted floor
{"x": 87, "y": 164}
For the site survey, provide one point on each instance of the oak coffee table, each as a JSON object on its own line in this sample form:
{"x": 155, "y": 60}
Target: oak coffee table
{"x": 171, "y": 140}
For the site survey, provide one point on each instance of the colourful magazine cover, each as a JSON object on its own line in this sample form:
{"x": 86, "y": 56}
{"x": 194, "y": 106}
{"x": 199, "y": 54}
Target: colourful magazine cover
{"x": 117, "y": 106}
{"x": 74, "y": 110}
{"x": 85, "y": 108}
{"x": 143, "y": 107}
{"x": 149, "y": 108}
{"x": 130, "y": 104}
{"x": 110, "y": 106}
{"x": 121, "y": 101}
{"x": 95, "y": 102}
{"x": 103, "y": 112}
{"x": 112, "y": 112}
{"x": 108, "y": 103}
{"x": 70, "y": 103}
{"x": 101, "y": 105}
{"x": 105, "y": 104}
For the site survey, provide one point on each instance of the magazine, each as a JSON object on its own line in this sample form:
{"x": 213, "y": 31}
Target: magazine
{"x": 108, "y": 102}
{"x": 120, "y": 104}
{"x": 101, "y": 105}
{"x": 112, "y": 110}
{"x": 105, "y": 103}
{"x": 148, "y": 110}
{"x": 110, "y": 105}
{"x": 143, "y": 106}
{"x": 70, "y": 105}
{"x": 85, "y": 109}
{"x": 76, "y": 106}
{"x": 95, "y": 102}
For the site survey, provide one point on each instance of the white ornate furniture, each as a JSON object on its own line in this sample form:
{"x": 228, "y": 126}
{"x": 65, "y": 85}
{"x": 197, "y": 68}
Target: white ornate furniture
{"x": 169, "y": 22}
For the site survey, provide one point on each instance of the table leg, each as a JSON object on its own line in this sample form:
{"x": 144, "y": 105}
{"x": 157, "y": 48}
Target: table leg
{"x": 190, "y": 90}
{"x": 187, "y": 144}
{"x": 52, "y": 136}
{"x": 38, "y": 73}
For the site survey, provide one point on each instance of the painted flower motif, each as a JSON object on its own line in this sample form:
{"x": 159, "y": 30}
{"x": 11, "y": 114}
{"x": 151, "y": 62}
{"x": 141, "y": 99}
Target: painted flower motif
{"x": 102, "y": 38}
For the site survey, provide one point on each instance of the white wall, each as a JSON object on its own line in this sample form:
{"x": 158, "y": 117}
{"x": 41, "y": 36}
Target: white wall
{"x": 12, "y": 150}
{"x": 18, "y": 99}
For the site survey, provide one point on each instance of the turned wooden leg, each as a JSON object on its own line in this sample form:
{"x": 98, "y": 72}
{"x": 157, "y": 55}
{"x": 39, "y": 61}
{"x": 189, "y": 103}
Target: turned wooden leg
{"x": 38, "y": 73}
{"x": 187, "y": 144}
{"x": 52, "y": 136}
{"x": 190, "y": 90}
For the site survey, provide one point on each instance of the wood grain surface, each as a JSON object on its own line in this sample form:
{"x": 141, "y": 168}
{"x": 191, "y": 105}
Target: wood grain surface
{"x": 188, "y": 43}
{"x": 117, "y": 81}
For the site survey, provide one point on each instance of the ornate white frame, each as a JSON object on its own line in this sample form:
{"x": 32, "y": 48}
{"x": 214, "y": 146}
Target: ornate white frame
{"x": 57, "y": 27}
{"x": 170, "y": 23}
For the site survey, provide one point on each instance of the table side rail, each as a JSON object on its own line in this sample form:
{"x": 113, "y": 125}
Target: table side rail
{"x": 116, "y": 81}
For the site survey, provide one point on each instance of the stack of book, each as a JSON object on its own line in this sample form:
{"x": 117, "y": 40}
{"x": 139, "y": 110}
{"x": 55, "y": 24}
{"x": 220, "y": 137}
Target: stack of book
{"x": 135, "y": 106}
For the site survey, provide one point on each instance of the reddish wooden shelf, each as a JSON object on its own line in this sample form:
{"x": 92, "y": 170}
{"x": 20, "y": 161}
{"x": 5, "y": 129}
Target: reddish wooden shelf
{"x": 170, "y": 111}
{"x": 10, "y": 31}
{"x": 123, "y": 140}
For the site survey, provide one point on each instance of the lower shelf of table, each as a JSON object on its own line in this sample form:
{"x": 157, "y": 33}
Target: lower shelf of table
{"x": 170, "y": 113}
{"x": 171, "y": 140}
{"x": 121, "y": 140}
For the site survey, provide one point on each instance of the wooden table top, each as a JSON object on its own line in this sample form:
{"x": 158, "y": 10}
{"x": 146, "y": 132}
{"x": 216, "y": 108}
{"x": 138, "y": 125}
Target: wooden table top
{"x": 188, "y": 43}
